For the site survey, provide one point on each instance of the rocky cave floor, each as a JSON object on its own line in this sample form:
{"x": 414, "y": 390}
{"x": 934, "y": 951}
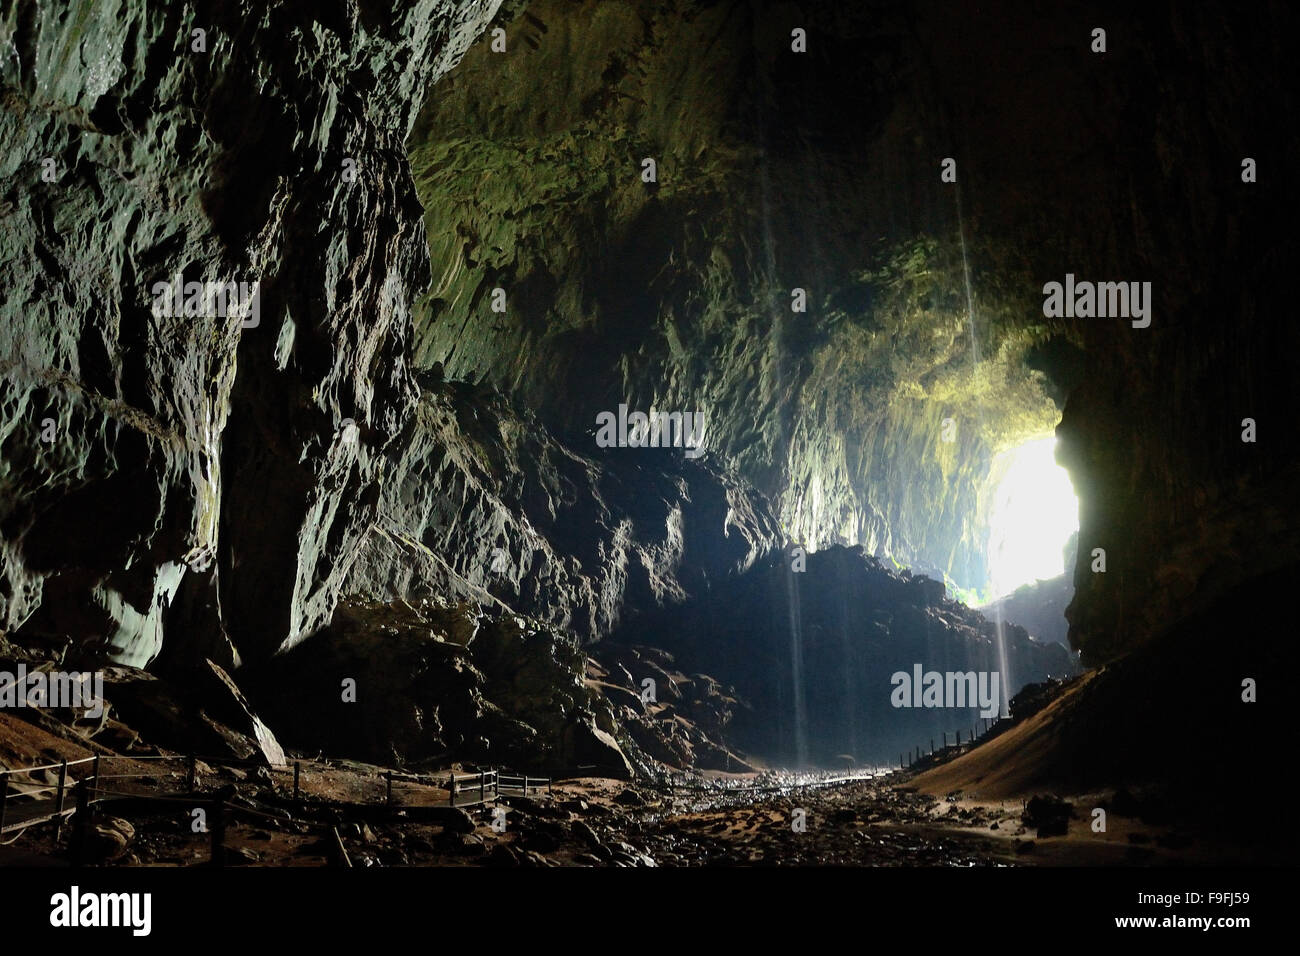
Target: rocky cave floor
{"x": 603, "y": 822}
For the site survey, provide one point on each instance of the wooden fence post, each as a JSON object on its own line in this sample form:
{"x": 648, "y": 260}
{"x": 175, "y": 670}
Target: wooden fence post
{"x": 95, "y": 787}
{"x": 451, "y": 787}
{"x": 340, "y": 850}
{"x": 388, "y": 797}
{"x": 58, "y": 806}
{"x": 482, "y": 786}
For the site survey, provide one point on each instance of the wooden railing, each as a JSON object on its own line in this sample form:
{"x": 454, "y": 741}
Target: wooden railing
{"x": 40, "y": 801}
{"x": 523, "y": 784}
{"x": 493, "y": 784}
{"x": 988, "y": 726}
{"x": 95, "y": 784}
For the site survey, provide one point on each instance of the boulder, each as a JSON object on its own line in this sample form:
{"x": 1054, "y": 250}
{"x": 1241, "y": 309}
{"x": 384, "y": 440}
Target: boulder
{"x": 110, "y": 838}
{"x": 234, "y": 707}
{"x": 593, "y": 752}
{"x": 1051, "y": 815}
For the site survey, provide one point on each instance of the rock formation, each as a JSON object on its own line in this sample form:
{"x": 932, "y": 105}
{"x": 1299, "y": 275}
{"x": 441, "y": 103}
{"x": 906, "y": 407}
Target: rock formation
{"x": 195, "y": 475}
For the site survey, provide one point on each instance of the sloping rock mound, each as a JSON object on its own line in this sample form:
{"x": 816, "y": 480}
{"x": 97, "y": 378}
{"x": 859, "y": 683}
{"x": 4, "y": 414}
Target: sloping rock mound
{"x": 1040, "y": 607}
{"x": 432, "y": 683}
{"x": 1170, "y": 717}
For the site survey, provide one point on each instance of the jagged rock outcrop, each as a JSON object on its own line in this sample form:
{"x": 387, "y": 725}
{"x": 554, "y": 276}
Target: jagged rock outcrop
{"x": 127, "y": 710}
{"x": 680, "y": 720}
{"x": 482, "y": 503}
{"x": 201, "y": 474}
{"x": 402, "y": 683}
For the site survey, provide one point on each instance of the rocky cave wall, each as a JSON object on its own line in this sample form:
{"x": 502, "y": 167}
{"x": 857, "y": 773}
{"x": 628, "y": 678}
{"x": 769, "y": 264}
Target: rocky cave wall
{"x": 227, "y": 480}
{"x": 775, "y": 171}
{"x": 821, "y": 171}
{"x": 1188, "y": 513}
{"x": 195, "y": 475}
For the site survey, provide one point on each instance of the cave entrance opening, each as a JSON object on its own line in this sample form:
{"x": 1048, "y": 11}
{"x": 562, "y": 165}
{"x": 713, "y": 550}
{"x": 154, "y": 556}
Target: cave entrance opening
{"x": 1032, "y": 514}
